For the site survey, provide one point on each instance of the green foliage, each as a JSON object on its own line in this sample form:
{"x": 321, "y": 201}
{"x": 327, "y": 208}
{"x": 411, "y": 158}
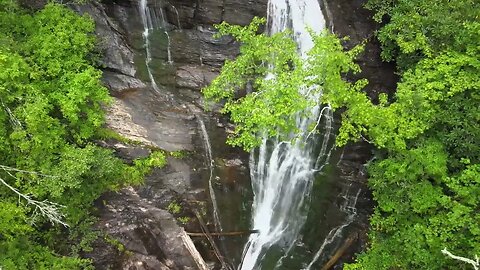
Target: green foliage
{"x": 114, "y": 242}
{"x": 427, "y": 97}
{"x": 419, "y": 28}
{"x": 174, "y": 208}
{"x": 108, "y": 134}
{"x": 268, "y": 109}
{"x": 427, "y": 184}
{"x": 51, "y": 103}
{"x": 179, "y": 154}
{"x": 277, "y": 75}
{"x": 426, "y": 178}
{"x": 143, "y": 166}
{"x": 22, "y": 253}
{"x": 184, "y": 220}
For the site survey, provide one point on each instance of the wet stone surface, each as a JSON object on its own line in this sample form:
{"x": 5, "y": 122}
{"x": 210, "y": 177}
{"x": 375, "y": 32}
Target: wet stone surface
{"x": 145, "y": 220}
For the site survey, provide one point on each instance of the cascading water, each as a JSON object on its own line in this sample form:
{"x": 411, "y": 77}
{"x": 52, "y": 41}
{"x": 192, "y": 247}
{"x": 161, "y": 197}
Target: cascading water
{"x": 282, "y": 172}
{"x": 151, "y": 22}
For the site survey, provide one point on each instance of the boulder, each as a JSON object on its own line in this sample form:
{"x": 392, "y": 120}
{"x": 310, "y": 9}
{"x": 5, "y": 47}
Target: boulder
{"x": 151, "y": 235}
{"x": 118, "y": 83}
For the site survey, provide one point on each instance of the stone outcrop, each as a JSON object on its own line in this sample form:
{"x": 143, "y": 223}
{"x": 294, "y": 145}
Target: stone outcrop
{"x": 117, "y": 55}
{"x": 150, "y": 234}
{"x": 194, "y": 77}
{"x": 197, "y": 46}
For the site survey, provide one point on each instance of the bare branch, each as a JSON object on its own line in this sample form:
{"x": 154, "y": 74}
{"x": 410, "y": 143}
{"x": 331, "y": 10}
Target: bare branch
{"x": 475, "y": 263}
{"x": 318, "y": 120}
{"x": 45, "y": 208}
{"x": 13, "y": 119}
{"x": 6, "y": 168}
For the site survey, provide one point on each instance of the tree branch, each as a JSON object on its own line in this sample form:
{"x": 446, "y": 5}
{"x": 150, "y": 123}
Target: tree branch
{"x": 45, "y": 208}
{"x": 13, "y": 119}
{"x": 475, "y": 263}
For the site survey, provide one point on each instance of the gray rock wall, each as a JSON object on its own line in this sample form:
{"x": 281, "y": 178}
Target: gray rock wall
{"x": 208, "y": 12}
{"x": 167, "y": 119}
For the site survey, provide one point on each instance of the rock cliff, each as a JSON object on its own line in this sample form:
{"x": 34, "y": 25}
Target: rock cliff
{"x": 184, "y": 58}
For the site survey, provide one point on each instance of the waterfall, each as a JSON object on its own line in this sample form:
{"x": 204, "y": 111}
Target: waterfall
{"x": 282, "y": 172}
{"x": 151, "y": 22}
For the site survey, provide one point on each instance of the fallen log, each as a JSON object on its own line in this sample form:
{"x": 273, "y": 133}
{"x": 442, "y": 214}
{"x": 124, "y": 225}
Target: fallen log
{"x": 340, "y": 252}
{"x": 193, "y": 251}
{"x": 216, "y": 250}
{"x": 222, "y": 233}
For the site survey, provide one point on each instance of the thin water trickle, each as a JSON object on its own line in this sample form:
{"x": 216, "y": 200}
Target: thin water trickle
{"x": 179, "y": 25}
{"x": 218, "y": 225}
{"x": 282, "y": 172}
{"x": 151, "y": 22}
{"x": 164, "y": 26}
{"x": 348, "y": 207}
{"x": 210, "y": 163}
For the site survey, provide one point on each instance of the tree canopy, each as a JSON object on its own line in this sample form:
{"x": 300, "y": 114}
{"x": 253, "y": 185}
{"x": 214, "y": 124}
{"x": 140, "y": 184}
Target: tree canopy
{"x": 278, "y": 76}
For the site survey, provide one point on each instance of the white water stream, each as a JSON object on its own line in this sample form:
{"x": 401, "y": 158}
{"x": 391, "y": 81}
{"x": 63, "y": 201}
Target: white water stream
{"x": 210, "y": 161}
{"x": 164, "y": 26}
{"x": 151, "y": 22}
{"x": 179, "y": 25}
{"x": 283, "y": 172}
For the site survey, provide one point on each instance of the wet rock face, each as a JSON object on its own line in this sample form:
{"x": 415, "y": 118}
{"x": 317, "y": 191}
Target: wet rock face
{"x": 349, "y": 18}
{"x": 167, "y": 118}
{"x": 198, "y": 47}
{"x": 208, "y": 12}
{"x": 117, "y": 57}
{"x": 185, "y": 32}
{"x": 194, "y": 77}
